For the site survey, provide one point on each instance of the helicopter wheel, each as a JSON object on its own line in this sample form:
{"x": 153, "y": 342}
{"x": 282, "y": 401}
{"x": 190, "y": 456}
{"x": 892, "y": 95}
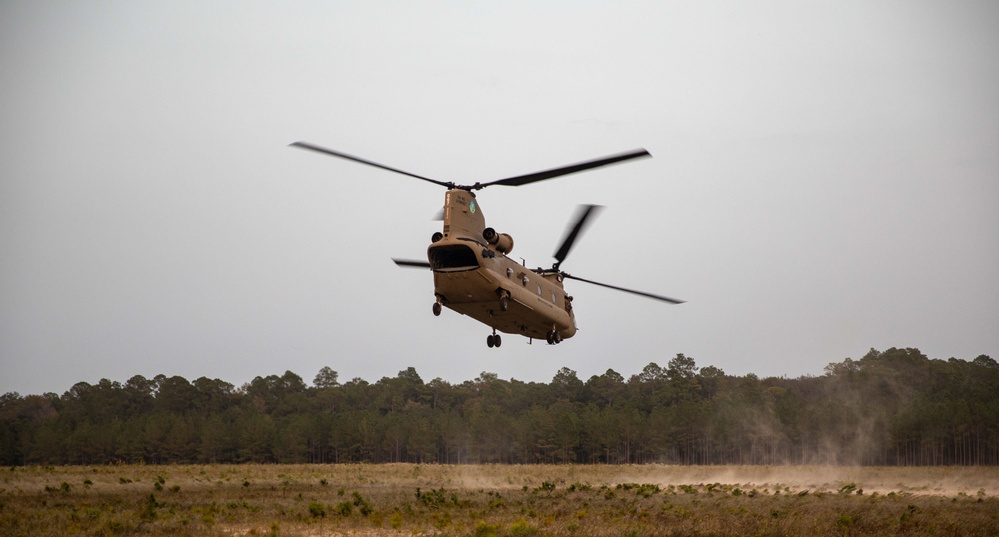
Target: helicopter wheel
{"x": 437, "y": 309}
{"x": 494, "y": 340}
{"x": 554, "y": 337}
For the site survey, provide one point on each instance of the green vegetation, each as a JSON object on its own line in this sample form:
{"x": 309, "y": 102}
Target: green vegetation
{"x": 896, "y": 407}
{"x": 498, "y": 500}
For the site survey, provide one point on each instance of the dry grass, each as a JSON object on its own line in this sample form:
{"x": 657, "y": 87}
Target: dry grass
{"x": 405, "y": 499}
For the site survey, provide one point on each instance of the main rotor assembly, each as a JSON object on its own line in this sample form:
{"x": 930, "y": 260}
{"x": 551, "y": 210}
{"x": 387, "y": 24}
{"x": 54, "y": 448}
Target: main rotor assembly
{"x": 575, "y": 230}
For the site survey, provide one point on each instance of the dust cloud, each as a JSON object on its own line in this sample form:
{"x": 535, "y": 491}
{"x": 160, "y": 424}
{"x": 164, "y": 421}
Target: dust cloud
{"x": 942, "y": 481}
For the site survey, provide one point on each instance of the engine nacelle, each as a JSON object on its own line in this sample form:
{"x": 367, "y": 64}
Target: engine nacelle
{"x": 502, "y": 242}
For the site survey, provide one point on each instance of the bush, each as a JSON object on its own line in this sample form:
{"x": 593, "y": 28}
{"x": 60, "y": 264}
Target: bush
{"x": 317, "y": 510}
{"x": 521, "y": 528}
{"x": 344, "y": 509}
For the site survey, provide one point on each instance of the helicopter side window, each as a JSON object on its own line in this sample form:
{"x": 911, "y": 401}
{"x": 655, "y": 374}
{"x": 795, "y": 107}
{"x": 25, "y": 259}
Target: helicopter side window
{"x": 553, "y": 297}
{"x": 539, "y": 289}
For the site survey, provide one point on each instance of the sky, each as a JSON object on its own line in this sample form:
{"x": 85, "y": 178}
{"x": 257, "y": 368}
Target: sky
{"x": 824, "y": 181}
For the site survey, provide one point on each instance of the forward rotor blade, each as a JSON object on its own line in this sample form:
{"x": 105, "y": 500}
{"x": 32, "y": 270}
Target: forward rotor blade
{"x": 411, "y": 263}
{"x": 584, "y": 213}
{"x": 566, "y": 170}
{"x": 318, "y": 149}
{"x": 632, "y": 291}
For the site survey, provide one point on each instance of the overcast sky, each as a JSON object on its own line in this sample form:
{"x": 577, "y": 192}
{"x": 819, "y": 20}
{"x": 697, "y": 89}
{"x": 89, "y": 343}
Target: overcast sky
{"x": 825, "y": 180}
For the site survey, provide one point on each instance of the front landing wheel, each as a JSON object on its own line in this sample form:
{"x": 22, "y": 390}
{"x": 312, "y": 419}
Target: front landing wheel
{"x": 493, "y": 340}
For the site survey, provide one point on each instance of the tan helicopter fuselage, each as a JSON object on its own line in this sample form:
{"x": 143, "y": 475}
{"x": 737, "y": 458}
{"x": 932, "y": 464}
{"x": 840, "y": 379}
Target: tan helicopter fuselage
{"x": 474, "y": 276}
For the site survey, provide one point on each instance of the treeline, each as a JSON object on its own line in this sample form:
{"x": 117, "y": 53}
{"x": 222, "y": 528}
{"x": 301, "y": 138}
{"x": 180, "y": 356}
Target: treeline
{"x": 895, "y": 407}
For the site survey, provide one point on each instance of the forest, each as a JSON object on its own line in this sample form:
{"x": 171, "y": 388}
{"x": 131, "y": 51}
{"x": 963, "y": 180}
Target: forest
{"x": 889, "y": 408}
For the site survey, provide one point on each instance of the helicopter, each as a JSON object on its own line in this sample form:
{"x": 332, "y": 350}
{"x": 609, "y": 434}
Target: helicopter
{"x": 473, "y": 273}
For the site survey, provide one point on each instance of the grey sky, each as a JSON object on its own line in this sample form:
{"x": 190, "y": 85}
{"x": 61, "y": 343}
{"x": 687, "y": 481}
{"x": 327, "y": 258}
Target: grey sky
{"x": 825, "y": 181}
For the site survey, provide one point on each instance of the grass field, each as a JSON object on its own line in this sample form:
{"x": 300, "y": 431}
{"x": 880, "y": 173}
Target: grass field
{"x": 409, "y": 499}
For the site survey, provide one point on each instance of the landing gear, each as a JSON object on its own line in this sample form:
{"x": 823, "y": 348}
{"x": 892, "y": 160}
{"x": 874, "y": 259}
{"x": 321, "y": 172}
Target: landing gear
{"x": 437, "y": 309}
{"x": 554, "y": 337}
{"x": 493, "y": 340}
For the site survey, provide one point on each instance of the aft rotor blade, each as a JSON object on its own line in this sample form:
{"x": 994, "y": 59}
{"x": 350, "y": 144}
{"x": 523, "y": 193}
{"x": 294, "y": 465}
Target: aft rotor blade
{"x": 411, "y": 263}
{"x": 566, "y": 170}
{"x": 313, "y": 147}
{"x": 584, "y": 212}
{"x": 632, "y": 291}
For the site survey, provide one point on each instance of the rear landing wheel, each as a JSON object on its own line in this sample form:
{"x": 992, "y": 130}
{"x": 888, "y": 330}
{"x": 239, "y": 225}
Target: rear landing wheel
{"x": 497, "y": 340}
{"x": 554, "y": 337}
{"x": 437, "y": 309}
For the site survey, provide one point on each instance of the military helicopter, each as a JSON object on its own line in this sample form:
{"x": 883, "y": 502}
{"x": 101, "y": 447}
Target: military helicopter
{"x": 473, "y": 274}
